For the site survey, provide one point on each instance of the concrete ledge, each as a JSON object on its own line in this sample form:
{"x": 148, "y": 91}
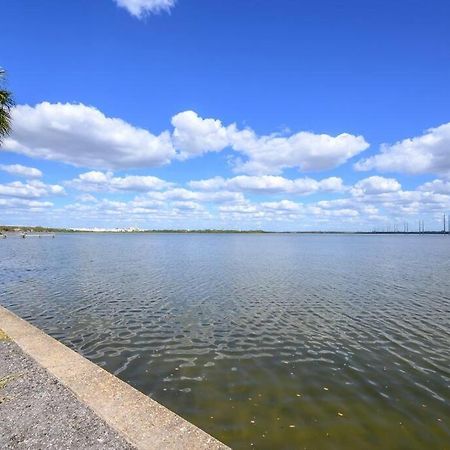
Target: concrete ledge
{"x": 142, "y": 421}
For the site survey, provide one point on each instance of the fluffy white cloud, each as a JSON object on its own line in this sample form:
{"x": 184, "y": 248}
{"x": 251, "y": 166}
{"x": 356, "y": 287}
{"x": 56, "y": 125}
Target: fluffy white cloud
{"x": 193, "y": 136}
{"x": 376, "y": 197}
{"x": 266, "y": 184}
{"x": 86, "y": 198}
{"x": 23, "y": 171}
{"x": 246, "y": 208}
{"x": 141, "y": 8}
{"x": 270, "y": 184}
{"x": 269, "y": 154}
{"x": 83, "y": 136}
{"x": 365, "y": 209}
{"x": 436, "y": 186}
{"x": 181, "y": 194}
{"x": 12, "y": 204}
{"x": 210, "y": 184}
{"x": 331, "y": 213}
{"x": 304, "y": 150}
{"x": 429, "y": 153}
{"x": 188, "y": 206}
{"x": 376, "y": 185}
{"x": 100, "y": 181}
{"x": 286, "y": 210}
{"x": 31, "y": 189}
{"x": 138, "y": 209}
{"x": 372, "y": 202}
{"x": 283, "y": 205}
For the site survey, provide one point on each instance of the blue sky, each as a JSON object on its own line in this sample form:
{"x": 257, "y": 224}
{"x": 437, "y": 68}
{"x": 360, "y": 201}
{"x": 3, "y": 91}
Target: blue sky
{"x": 279, "y": 115}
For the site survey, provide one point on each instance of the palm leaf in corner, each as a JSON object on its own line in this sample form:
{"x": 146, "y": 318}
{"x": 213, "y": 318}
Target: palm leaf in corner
{"x": 6, "y": 103}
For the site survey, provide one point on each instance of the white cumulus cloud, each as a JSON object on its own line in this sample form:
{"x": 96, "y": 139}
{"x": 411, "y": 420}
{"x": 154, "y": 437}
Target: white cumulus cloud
{"x": 269, "y": 154}
{"x": 429, "y": 153}
{"x": 83, "y": 136}
{"x": 181, "y": 194}
{"x": 12, "y": 204}
{"x": 304, "y": 150}
{"x": 101, "y": 181}
{"x": 376, "y": 185}
{"x": 141, "y": 8}
{"x": 436, "y": 186}
{"x": 193, "y": 136}
{"x": 31, "y": 189}
{"x": 283, "y": 205}
{"x": 23, "y": 171}
{"x": 270, "y": 184}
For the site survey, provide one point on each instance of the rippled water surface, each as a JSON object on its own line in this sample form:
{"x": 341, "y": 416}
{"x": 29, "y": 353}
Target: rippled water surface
{"x": 265, "y": 341}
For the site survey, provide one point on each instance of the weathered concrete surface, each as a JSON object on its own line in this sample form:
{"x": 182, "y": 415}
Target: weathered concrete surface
{"x": 142, "y": 421}
{"x": 38, "y": 412}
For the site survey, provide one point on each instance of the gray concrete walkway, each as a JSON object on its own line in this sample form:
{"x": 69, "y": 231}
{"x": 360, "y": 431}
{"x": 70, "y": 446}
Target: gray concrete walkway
{"x": 38, "y": 412}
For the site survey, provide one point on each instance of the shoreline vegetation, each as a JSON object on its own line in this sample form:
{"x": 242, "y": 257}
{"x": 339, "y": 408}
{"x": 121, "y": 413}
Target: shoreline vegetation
{"x": 4, "y": 229}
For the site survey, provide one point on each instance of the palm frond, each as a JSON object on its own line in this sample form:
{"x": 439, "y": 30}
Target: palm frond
{"x": 6, "y": 104}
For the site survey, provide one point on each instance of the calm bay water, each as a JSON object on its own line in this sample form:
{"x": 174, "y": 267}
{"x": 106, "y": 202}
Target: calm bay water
{"x": 265, "y": 341}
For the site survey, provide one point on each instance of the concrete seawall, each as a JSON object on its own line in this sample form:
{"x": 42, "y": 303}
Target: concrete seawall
{"x": 141, "y": 421}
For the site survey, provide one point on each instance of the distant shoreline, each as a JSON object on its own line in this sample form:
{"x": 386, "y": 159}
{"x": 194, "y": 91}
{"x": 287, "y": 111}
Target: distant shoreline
{"x": 7, "y": 229}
